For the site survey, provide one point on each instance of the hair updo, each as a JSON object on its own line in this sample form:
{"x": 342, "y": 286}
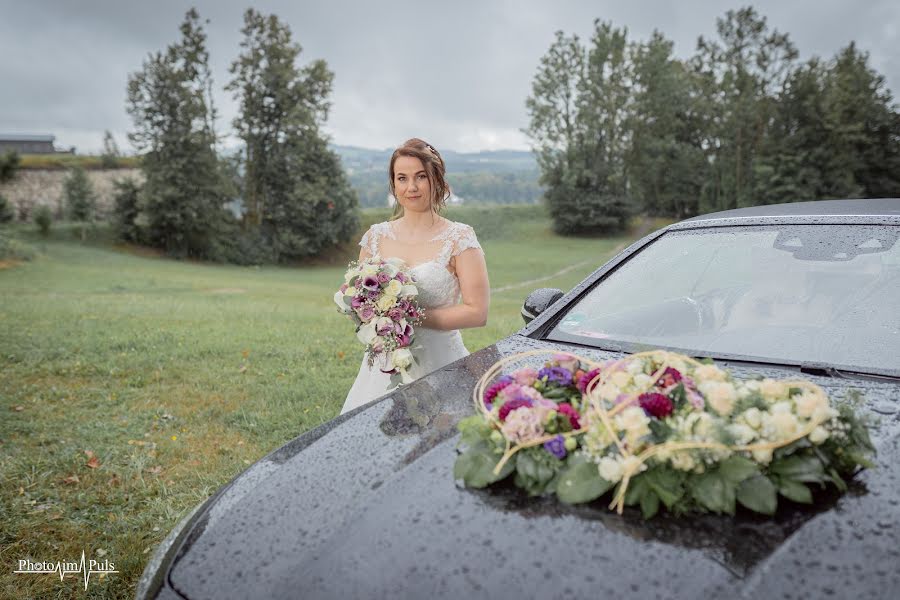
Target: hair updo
{"x": 435, "y": 170}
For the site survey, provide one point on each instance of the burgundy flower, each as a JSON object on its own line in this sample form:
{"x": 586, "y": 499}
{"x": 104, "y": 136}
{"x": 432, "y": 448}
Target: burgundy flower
{"x": 585, "y": 379}
{"x": 669, "y": 378}
{"x": 564, "y": 408}
{"x": 656, "y": 404}
{"x": 495, "y": 388}
{"x": 512, "y": 405}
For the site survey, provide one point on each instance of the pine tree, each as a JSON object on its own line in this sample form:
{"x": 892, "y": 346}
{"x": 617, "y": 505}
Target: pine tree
{"x": 80, "y": 198}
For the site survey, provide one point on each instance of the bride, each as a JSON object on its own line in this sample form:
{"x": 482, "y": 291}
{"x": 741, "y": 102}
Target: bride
{"x": 445, "y": 258}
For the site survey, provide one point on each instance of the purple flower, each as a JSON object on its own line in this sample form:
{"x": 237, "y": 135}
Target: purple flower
{"x": 556, "y": 447}
{"x": 401, "y": 277}
{"x": 356, "y": 302}
{"x": 395, "y": 313}
{"x": 558, "y": 375}
{"x": 366, "y": 312}
{"x": 370, "y": 283}
{"x": 384, "y": 329}
{"x": 382, "y": 277}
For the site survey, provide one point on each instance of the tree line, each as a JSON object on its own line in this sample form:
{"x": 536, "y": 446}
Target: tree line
{"x": 620, "y": 127}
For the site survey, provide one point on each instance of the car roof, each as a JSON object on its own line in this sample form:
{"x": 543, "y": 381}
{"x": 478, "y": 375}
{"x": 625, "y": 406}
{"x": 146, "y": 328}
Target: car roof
{"x": 887, "y": 208}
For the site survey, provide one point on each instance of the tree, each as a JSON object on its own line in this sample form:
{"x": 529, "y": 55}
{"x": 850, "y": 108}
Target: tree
{"x": 666, "y": 163}
{"x": 80, "y": 198}
{"x": 9, "y": 165}
{"x": 742, "y": 74}
{"x": 185, "y": 189}
{"x": 110, "y": 157}
{"x": 578, "y": 115}
{"x": 127, "y": 209}
{"x": 295, "y": 194}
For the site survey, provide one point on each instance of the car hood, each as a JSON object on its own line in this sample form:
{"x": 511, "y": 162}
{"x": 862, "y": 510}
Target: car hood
{"x": 366, "y": 506}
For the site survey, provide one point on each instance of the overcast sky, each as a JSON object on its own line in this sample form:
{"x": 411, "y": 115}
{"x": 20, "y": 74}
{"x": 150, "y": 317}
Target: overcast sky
{"x": 454, "y": 73}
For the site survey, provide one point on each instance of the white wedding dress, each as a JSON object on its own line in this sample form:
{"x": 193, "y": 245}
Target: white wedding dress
{"x": 438, "y": 288}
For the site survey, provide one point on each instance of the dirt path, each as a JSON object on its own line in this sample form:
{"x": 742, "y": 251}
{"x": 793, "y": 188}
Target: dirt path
{"x": 641, "y": 231}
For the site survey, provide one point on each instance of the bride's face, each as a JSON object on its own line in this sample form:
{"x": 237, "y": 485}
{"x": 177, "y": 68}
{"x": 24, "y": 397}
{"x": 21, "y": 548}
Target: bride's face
{"x": 411, "y": 186}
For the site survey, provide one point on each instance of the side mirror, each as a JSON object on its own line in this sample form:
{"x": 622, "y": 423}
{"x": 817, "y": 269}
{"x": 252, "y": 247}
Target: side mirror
{"x": 538, "y": 301}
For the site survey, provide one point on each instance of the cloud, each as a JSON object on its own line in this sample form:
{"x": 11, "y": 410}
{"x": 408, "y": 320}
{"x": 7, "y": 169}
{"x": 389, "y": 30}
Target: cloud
{"x": 456, "y": 74}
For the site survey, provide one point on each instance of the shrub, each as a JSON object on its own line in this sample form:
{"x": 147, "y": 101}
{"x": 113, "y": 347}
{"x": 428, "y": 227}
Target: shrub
{"x": 43, "y": 218}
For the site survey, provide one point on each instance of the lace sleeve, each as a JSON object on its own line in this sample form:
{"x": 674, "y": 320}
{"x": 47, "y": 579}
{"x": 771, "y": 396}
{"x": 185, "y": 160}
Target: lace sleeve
{"x": 369, "y": 240}
{"x": 465, "y": 239}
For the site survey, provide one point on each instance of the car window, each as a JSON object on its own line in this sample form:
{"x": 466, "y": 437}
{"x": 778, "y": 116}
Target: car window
{"x": 794, "y": 294}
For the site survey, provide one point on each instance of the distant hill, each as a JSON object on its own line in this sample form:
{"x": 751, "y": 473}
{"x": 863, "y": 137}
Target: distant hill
{"x": 498, "y": 176}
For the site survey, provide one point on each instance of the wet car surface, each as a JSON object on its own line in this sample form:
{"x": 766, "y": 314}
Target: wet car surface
{"x": 366, "y": 506}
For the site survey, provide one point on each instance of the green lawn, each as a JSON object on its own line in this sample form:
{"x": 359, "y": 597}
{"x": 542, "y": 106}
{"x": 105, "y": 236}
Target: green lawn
{"x": 133, "y": 386}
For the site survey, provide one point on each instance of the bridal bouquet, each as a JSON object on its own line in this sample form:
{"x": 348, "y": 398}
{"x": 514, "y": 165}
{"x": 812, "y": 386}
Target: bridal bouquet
{"x": 658, "y": 428}
{"x": 380, "y": 297}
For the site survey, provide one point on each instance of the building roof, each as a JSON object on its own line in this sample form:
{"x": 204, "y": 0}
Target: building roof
{"x": 24, "y": 137}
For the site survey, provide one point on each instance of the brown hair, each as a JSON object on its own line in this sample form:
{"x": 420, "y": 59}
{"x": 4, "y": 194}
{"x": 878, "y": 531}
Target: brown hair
{"x": 435, "y": 170}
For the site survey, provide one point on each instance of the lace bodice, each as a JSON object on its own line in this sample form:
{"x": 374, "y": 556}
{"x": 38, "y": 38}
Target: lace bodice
{"x": 438, "y": 287}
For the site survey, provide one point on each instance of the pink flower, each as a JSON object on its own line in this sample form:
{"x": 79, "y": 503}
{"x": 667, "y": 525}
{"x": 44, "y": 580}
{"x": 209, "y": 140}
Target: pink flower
{"x": 693, "y": 395}
{"x": 344, "y": 287}
{"x": 524, "y": 424}
{"x": 525, "y": 376}
{"x": 512, "y": 405}
{"x": 669, "y": 378}
{"x": 396, "y": 313}
{"x": 366, "y": 312}
{"x": 585, "y": 379}
{"x": 566, "y": 409}
{"x": 401, "y": 277}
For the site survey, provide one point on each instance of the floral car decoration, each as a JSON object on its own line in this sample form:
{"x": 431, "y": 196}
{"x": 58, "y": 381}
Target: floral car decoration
{"x": 658, "y": 428}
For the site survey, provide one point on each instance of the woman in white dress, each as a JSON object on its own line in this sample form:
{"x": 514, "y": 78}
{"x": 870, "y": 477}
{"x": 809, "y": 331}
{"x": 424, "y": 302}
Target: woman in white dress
{"x": 445, "y": 258}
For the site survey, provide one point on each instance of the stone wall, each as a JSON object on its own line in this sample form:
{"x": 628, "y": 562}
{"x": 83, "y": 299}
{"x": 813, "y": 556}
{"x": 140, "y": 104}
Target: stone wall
{"x": 35, "y": 187}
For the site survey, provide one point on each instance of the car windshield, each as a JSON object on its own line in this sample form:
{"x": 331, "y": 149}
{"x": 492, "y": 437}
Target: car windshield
{"x": 800, "y": 294}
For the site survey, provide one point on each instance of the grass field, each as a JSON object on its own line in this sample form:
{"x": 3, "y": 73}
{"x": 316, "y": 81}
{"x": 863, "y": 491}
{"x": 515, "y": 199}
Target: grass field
{"x": 133, "y": 386}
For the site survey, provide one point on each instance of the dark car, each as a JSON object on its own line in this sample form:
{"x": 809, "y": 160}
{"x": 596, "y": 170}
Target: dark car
{"x": 365, "y": 506}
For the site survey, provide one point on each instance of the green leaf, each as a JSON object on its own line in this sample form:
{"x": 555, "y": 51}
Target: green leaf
{"x": 556, "y": 393}
{"x": 714, "y": 492}
{"x": 758, "y": 494}
{"x": 637, "y": 487}
{"x": 476, "y": 468}
{"x": 649, "y": 504}
{"x": 667, "y": 484}
{"x": 580, "y": 483}
{"x": 794, "y": 490}
{"x": 800, "y": 468}
{"x": 737, "y": 468}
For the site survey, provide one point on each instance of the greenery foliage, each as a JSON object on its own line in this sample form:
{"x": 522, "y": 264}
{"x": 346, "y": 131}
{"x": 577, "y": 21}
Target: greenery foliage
{"x": 295, "y": 195}
{"x": 624, "y": 126}
{"x": 126, "y": 210}
{"x": 43, "y": 218}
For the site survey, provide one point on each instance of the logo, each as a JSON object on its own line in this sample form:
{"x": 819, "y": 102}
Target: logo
{"x": 86, "y": 567}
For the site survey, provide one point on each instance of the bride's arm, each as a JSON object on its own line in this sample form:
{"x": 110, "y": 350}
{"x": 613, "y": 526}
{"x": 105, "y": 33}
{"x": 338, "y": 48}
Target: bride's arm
{"x": 476, "y": 296}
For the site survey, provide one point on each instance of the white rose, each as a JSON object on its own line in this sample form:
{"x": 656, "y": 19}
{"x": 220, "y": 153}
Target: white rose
{"x": 720, "y": 395}
{"x": 393, "y": 288}
{"x": 391, "y": 269}
{"x": 339, "y": 300}
{"x": 634, "y": 422}
{"x": 610, "y": 469}
{"x": 785, "y": 424}
{"x": 366, "y": 333}
{"x": 409, "y": 290}
{"x": 642, "y": 381}
{"x": 818, "y": 435}
{"x": 683, "y": 461}
{"x": 808, "y": 403}
{"x": 763, "y": 456}
{"x": 401, "y": 358}
{"x": 634, "y": 367}
{"x": 781, "y": 407}
{"x": 772, "y": 390}
{"x": 368, "y": 270}
{"x": 620, "y": 379}
{"x": 753, "y": 417}
{"x": 607, "y": 391}
{"x": 351, "y": 291}
{"x": 386, "y": 302}
{"x": 709, "y": 373}
{"x": 742, "y": 434}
